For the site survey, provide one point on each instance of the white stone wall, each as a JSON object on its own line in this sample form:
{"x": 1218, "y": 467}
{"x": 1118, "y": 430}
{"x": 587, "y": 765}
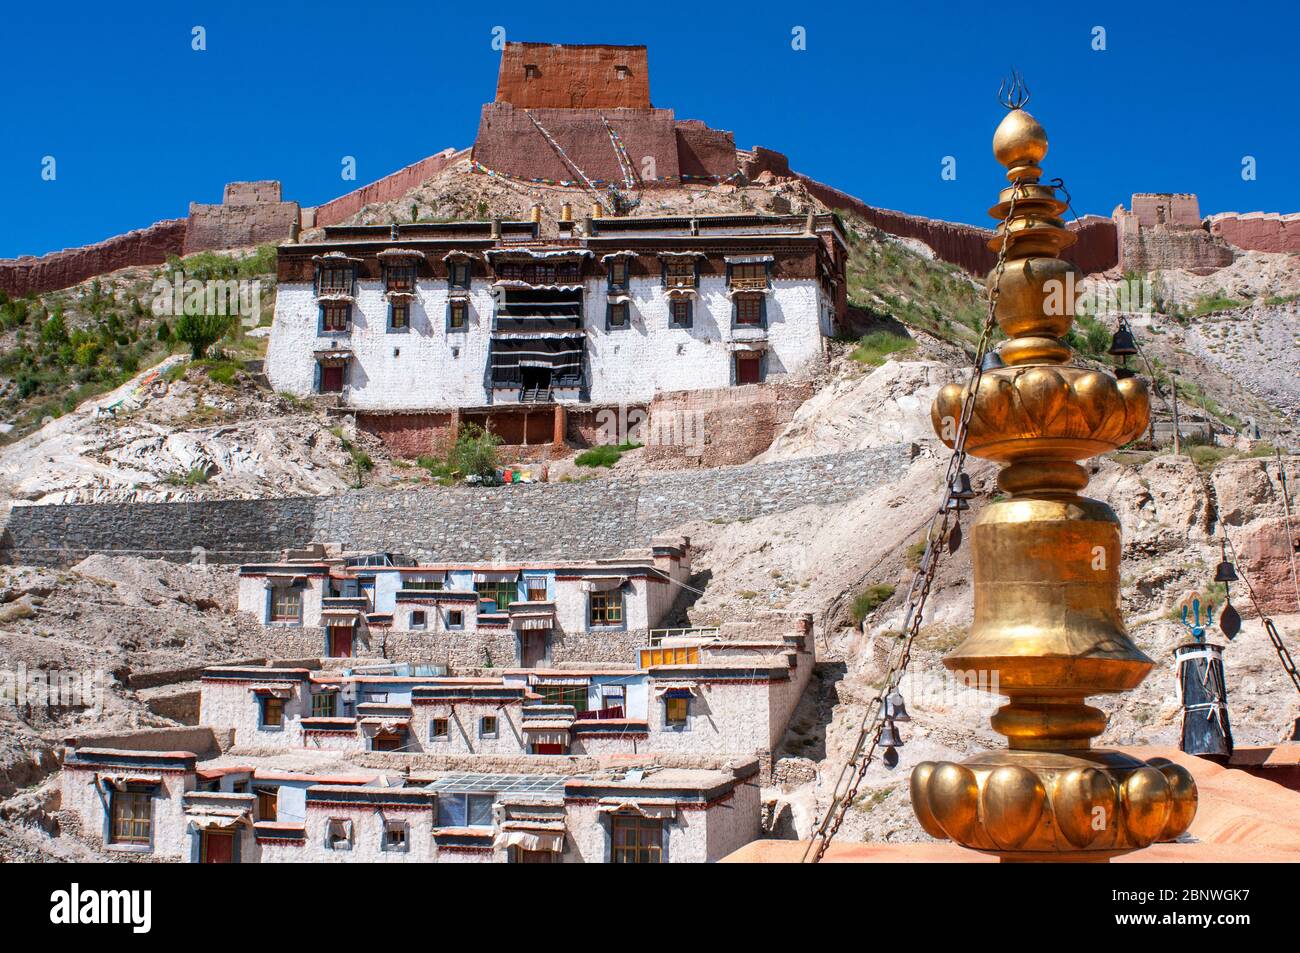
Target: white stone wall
{"x": 252, "y": 599}
{"x": 367, "y": 829}
{"x": 429, "y": 367}
{"x": 463, "y": 725}
{"x": 435, "y": 368}
{"x": 232, "y": 704}
{"x": 735, "y": 822}
{"x": 724, "y": 718}
{"x": 80, "y": 794}
{"x": 588, "y": 835}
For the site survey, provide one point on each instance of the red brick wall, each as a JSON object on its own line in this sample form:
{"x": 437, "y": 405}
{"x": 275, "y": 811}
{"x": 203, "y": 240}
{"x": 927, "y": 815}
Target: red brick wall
{"x": 62, "y": 269}
{"x": 702, "y": 151}
{"x": 574, "y": 77}
{"x": 727, "y": 426}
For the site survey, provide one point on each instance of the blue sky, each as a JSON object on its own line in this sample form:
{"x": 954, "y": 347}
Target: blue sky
{"x": 139, "y": 124}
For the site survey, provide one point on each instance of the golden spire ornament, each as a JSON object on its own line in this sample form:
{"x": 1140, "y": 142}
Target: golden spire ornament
{"x": 1047, "y": 622}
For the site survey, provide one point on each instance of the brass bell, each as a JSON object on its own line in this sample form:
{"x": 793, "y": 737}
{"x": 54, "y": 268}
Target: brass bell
{"x": 889, "y": 737}
{"x": 893, "y": 708}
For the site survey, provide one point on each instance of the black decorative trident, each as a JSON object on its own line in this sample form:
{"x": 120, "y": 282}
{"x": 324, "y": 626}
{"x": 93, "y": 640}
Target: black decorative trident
{"x": 1014, "y": 93}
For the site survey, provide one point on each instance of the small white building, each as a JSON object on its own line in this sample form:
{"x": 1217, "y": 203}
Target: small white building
{"x": 526, "y": 614}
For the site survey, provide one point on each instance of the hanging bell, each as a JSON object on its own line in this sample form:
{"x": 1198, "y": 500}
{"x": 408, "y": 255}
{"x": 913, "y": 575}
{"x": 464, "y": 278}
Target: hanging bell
{"x": 961, "y": 488}
{"x": 1230, "y": 621}
{"x": 991, "y": 362}
{"x": 889, "y": 737}
{"x": 890, "y": 757}
{"x": 954, "y": 538}
{"x": 1226, "y": 572}
{"x": 1122, "y": 344}
{"x": 895, "y": 709}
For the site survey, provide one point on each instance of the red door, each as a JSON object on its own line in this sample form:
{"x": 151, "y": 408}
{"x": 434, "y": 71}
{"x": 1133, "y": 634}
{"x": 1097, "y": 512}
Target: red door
{"x": 748, "y": 369}
{"x": 341, "y": 641}
{"x": 218, "y": 847}
{"x": 331, "y": 379}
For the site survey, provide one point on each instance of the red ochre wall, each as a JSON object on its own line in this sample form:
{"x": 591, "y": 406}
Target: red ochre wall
{"x": 1097, "y": 248}
{"x": 1259, "y": 231}
{"x": 574, "y": 77}
{"x": 62, "y": 269}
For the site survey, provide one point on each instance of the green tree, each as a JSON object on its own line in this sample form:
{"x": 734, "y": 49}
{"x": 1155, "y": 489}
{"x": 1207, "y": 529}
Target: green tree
{"x": 201, "y": 331}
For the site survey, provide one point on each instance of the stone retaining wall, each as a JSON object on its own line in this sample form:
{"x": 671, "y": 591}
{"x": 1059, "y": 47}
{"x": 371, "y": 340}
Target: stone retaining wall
{"x": 593, "y": 519}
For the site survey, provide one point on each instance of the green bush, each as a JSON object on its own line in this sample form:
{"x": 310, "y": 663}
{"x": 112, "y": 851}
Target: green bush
{"x": 875, "y": 347}
{"x": 606, "y": 455}
{"x": 869, "y": 600}
{"x": 475, "y": 451}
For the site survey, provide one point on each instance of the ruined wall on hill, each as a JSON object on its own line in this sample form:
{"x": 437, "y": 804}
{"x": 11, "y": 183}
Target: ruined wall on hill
{"x": 250, "y": 213}
{"x": 1258, "y": 231}
{"x": 387, "y": 189}
{"x": 582, "y": 520}
{"x": 1096, "y": 249}
{"x": 62, "y": 269}
{"x": 704, "y": 152}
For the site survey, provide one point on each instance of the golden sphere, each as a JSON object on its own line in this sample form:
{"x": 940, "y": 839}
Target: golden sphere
{"x": 1019, "y": 140}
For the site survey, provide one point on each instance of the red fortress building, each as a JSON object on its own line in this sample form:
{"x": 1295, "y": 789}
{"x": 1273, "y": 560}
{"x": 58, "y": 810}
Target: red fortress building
{"x": 564, "y": 112}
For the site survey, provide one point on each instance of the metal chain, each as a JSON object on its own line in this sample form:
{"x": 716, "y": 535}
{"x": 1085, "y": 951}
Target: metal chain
{"x": 864, "y": 751}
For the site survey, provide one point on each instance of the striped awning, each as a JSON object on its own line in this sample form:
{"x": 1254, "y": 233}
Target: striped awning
{"x": 678, "y": 689}
{"x": 504, "y": 576}
{"x": 558, "y": 680}
{"x": 277, "y": 690}
{"x": 603, "y": 583}
{"x": 121, "y": 782}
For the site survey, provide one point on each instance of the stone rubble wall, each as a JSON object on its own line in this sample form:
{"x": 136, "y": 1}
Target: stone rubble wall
{"x": 593, "y": 519}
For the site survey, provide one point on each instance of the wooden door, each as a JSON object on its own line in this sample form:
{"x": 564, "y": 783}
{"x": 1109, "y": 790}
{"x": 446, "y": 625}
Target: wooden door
{"x": 532, "y": 649}
{"x": 749, "y": 368}
{"x": 341, "y": 641}
{"x": 218, "y": 847}
{"x": 331, "y": 379}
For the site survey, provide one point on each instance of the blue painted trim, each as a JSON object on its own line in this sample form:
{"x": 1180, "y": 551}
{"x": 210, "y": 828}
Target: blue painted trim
{"x": 391, "y": 329}
{"x": 464, "y": 327}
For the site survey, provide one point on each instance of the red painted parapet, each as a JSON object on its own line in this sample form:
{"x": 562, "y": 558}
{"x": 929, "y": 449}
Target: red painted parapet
{"x": 62, "y": 269}
{"x": 1258, "y": 231}
{"x": 966, "y": 246}
{"x": 387, "y": 189}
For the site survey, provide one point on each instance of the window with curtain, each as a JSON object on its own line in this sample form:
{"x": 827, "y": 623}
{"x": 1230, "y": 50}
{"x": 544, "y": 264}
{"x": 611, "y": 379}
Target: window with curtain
{"x": 465, "y": 810}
